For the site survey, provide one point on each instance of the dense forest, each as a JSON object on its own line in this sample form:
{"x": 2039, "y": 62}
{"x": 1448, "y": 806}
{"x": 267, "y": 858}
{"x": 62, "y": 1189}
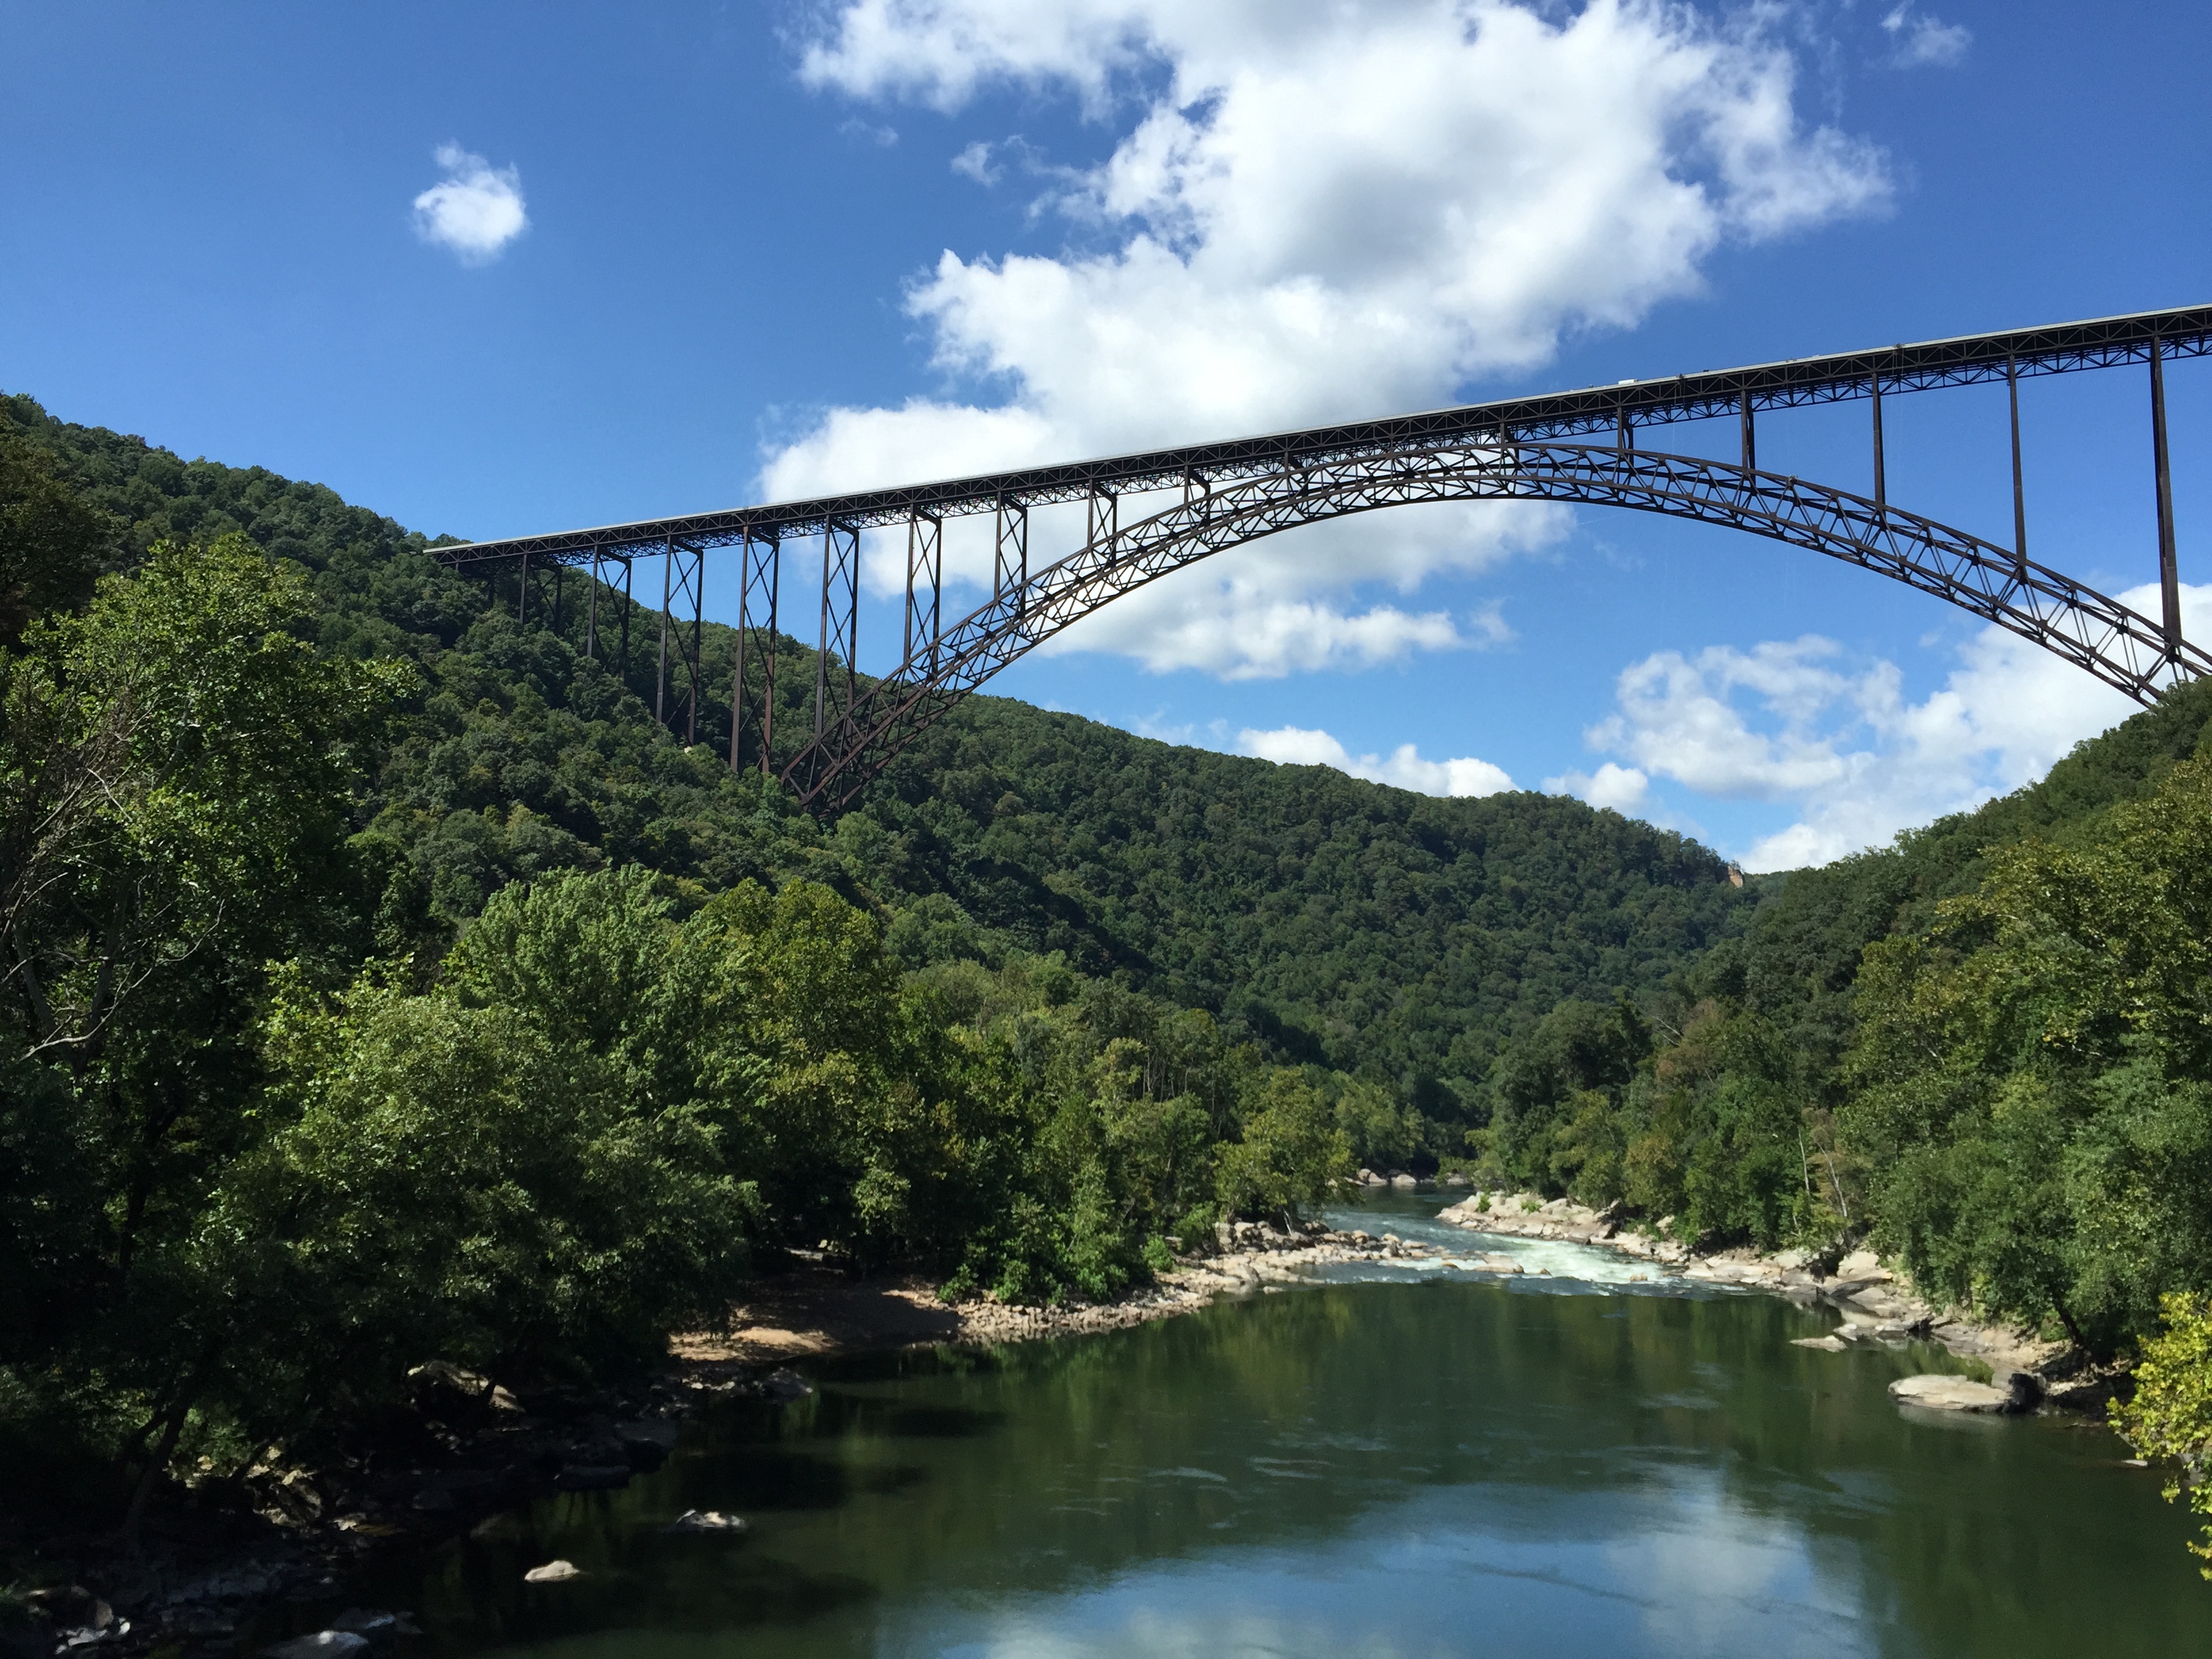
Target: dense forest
{"x": 383, "y": 981}
{"x": 1374, "y": 933}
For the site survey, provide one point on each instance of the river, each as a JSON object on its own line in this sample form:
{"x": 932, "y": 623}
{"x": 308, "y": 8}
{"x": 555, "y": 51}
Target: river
{"x": 1419, "y": 1463}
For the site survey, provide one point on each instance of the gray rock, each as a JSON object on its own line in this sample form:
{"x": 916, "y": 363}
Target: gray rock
{"x": 1824, "y": 1344}
{"x": 553, "y": 1573}
{"x": 647, "y": 1443}
{"x": 786, "y": 1384}
{"x": 1952, "y": 1394}
{"x": 373, "y": 1623}
{"x": 706, "y": 1521}
{"x": 1404, "y": 1183}
{"x": 322, "y": 1644}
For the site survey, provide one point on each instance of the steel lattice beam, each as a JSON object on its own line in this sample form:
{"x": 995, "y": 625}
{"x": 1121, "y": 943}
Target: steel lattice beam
{"x": 2095, "y": 633}
{"x": 1226, "y": 494}
{"x": 1615, "y": 410}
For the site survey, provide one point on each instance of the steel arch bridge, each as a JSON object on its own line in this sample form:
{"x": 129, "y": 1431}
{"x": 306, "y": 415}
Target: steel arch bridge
{"x": 1208, "y": 497}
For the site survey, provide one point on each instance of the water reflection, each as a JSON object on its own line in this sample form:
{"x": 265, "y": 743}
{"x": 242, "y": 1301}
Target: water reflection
{"x": 1435, "y": 1466}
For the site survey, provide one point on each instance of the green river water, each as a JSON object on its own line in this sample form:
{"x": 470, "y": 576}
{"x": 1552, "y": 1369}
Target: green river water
{"x": 1416, "y": 1462}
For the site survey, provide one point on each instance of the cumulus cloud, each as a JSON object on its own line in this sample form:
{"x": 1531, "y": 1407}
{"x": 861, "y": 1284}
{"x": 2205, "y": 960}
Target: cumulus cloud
{"x": 974, "y": 162}
{"x": 476, "y": 209}
{"x": 1315, "y": 211}
{"x": 1919, "y": 41}
{"x": 1294, "y": 745}
{"x": 1797, "y": 722}
{"x": 1623, "y": 788}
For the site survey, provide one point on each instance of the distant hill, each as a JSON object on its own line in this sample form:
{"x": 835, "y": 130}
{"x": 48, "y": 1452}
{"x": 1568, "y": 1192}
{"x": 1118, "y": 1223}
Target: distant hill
{"x": 1797, "y": 963}
{"x": 1383, "y": 932}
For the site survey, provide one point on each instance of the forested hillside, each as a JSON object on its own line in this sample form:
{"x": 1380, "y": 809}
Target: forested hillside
{"x": 1371, "y": 930}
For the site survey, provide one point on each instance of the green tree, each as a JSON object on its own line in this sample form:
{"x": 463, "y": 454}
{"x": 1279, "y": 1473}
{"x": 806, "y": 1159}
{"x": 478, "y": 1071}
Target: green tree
{"x": 176, "y": 767}
{"x": 2033, "y": 1072}
{"x": 52, "y": 541}
{"x": 2170, "y": 1416}
{"x": 1291, "y": 1155}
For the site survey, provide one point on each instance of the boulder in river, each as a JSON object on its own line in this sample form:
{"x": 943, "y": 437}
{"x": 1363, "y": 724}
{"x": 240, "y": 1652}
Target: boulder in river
{"x": 553, "y": 1573}
{"x": 373, "y": 1624}
{"x": 707, "y": 1521}
{"x": 786, "y": 1384}
{"x": 1955, "y": 1394}
{"x": 647, "y": 1443}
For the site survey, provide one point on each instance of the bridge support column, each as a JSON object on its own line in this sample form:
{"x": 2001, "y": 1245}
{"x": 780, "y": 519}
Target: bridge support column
{"x": 1102, "y": 517}
{"x": 760, "y": 565}
{"x": 522, "y": 589}
{"x": 1881, "y": 482}
{"x": 2169, "y": 569}
{"x": 2019, "y": 490}
{"x": 1010, "y": 559}
{"x": 680, "y": 580}
{"x": 691, "y": 657}
{"x": 592, "y": 611}
{"x": 1750, "y": 437}
{"x": 925, "y": 569}
{"x": 841, "y": 624}
{"x": 660, "y": 675}
{"x": 629, "y": 568}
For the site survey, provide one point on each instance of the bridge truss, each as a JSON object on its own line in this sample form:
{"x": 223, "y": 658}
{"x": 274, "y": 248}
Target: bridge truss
{"x": 1222, "y": 494}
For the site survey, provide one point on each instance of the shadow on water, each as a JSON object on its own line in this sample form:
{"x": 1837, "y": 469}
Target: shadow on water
{"x": 1373, "y": 1467}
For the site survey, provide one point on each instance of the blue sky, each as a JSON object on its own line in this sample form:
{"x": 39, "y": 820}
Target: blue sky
{"x": 777, "y": 247}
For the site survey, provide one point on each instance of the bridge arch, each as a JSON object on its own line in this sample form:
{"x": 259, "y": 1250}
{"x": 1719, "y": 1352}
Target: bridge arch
{"x": 2088, "y": 629}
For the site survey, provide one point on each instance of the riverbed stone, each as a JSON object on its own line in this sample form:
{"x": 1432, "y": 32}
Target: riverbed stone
{"x": 1824, "y": 1343}
{"x": 553, "y": 1573}
{"x": 1952, "y": 1394}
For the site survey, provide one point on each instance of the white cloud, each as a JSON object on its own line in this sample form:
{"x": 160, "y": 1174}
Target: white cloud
{"x": 1315, "y": 211}
{"x": 974, "y": 162}
{"x": 1293, "y": 746}
{"x": 1920, "y": 41}
{"x": 476, "y": 209}
{"x": 1794, "y": 722}
{"x": 1622, "y": 788}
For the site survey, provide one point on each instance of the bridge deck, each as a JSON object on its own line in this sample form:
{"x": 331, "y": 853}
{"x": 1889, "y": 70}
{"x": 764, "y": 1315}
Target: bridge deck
{"x": 2058, "y": 349}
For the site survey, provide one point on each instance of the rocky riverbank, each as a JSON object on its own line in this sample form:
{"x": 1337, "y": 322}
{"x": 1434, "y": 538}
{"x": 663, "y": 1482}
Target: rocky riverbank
{"x": 212, "y": 1571}
{"x": 1875, "y": 1303}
